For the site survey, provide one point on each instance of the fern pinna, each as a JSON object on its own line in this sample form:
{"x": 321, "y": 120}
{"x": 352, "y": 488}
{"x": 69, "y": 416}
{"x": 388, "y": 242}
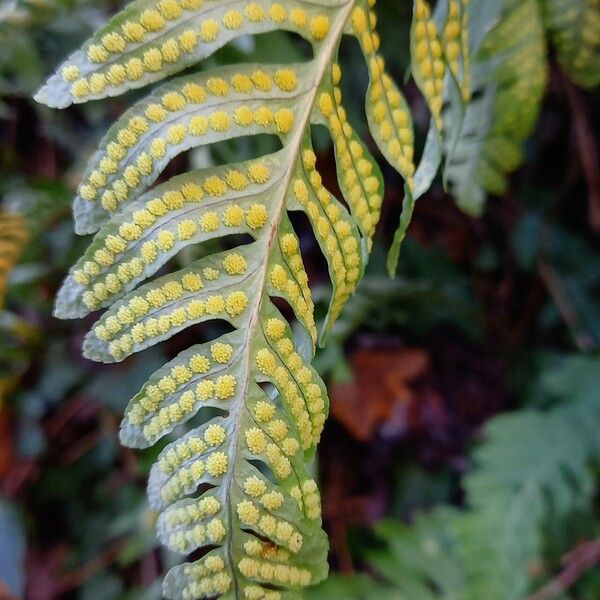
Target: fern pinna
{"x": 236, "y": 481}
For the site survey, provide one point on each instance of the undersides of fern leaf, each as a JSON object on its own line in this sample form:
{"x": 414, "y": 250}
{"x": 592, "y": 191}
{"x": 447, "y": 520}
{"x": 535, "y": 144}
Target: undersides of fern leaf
{"x": 242, "y": 413}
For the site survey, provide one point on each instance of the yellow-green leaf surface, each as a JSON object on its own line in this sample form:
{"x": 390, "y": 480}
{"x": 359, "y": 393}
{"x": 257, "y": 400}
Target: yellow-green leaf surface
{"x": 575, "y": 29}
{"x": 242, "y": 413}
{"x": 509, "y": 73}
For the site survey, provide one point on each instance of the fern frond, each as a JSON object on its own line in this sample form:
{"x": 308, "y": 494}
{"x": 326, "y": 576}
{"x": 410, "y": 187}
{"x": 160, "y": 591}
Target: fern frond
{"x": 244, "y": 411}
{"x": 13, "y": 237}
{"x": 534, "y": 463}
{"x": 509, "y": 75}
{"x": 575, "y": 29}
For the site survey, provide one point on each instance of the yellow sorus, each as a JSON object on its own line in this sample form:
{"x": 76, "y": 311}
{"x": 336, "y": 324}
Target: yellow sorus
{"x": 191, "y": 4}
{"x": 225, "y": 387}
{"x": 289, "y": 244}
{"x": 158, "y": 148}
{"x": 319, "y": 26}
{"x": 97, "y": 179}
{"x": 284, "y": 120}
{"x": 277, "y": 13}
{"x": 233, "y": 19}
{"x": 242, "y": 83}
{"x": 263, "y": 116}
{"x": 256, "y": 216}
{"x": 191, "y": 282}
{"x": 254, "y": 486}
{"x": 176, "y": 134}
{"x": 70, "y": 72}
{"x": 299, "y": 18}
{"x": 170, "y": 51}
{"x": 216, "y": 464}
{"x": 265, "y": 361}
{"x": 268, "y": 524}
{"x": 98, "y": 82}
{"x": 216, "y": 530}
{"x": 91, "y": 268}
{"x": 209, "y": 221}
{"x": 275, "y": 328}
{"x": 165, "y": 240}
{"x": 188, "y": 40}
{"x": 194, "y": 92}
{"x": 135, "y": 69}
{"x": 221, "y": 352}
{"x": 259, "y": 172}
{"x": 233, "y": 215}
{"x": 152, "y": 20}
{"x": 359, "y": 20}
{"x": 236, "y": 303}
{"x": 173, "y": 101}
{"x": 173, "y": 199}
{"x": 247, "y": 512}
{"x": 309, "y": 159}
{"x": 149, "y": 252}
{"x": 115, "y": 151}
{"x": 215, "y": 304}
{"x": 80, "y": 88}
{"x": 116, "y": 74}
{"x": 157, "y": 207}
{"x": 219, "y": 121}
{"x": 115, "y": 244}
{"x": 236, "y": 180}
{"x": 254, "y": 12}
{"x": 131, "y": 176}
{"x": 199, "y": 363}
{"x": 152, "y": 60}
{"x": 217, "y": 86}
{"x": 255, "y": 440}
{"x": 169, "y": 9}
{"x": 198, "y": 125}
{"x": 97, "y": 53}
{"x": 145, "y": 163}
{"x": 278, "y": 429}
{"x": 114, "y": 42}
{"x": 192, "y": 192}
{"x": 300, "y": 191}
{"x": 181, "y": 374}
{"x": 186, "y": 229}
{"x": 209, "y": 30}
{"x": 214, "y": 186}
{"x": 195, "y": 309}
{"x": 210, "y": 273}
{"x": 325, "y": 104}
{"x": 272, "y": 501}
{"x": 130, "y": 232}
{"x": 215, "y": 435}
{"x": 143, "y": 218}
{"x": 205, "y": 389}
{"x": 235, "y": 264}
{"x": 134, "y": 32}
{"x": 262, "y": 81}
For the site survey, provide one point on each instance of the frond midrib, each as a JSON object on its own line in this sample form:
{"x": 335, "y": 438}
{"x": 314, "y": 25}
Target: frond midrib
{"x": 321, "y": 62}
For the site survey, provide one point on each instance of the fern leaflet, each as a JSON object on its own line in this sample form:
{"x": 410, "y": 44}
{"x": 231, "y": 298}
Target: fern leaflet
{"x": 575, "y": 29}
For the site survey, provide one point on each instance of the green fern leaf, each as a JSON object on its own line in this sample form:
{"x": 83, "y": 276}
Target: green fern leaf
{"x": 575, "y": 29}
{"x": 242, "y": 413}
{"x": 509, "y": 74}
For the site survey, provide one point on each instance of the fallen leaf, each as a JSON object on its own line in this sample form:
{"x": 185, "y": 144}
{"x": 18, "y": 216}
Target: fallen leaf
{"x": 379, "y": 389}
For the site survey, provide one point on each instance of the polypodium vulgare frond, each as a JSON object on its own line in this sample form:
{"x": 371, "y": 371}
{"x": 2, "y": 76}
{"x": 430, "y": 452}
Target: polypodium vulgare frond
{"x": 235, "y": 480}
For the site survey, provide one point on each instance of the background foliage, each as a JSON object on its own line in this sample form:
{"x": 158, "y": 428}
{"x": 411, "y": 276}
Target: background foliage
{"x": 465, "y": 391}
